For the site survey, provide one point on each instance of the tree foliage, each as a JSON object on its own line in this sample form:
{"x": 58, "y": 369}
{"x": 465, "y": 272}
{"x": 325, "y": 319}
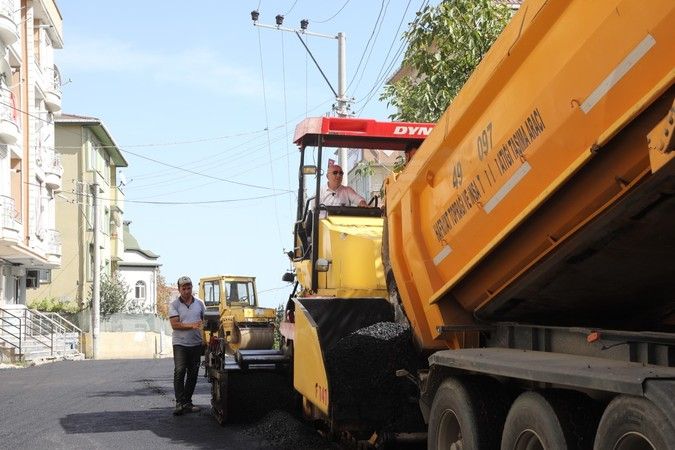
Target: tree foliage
{"x": 113, "y": 291}
{"x": 445, "y": 43}
{"x": 278, "y": 318}
{"x": 163, "y": 296}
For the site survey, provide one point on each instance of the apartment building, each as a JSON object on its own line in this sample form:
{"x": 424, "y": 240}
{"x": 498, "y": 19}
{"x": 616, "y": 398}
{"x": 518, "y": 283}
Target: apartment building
{"x": 90, "y": 159}
{"x": 30, "y": 170}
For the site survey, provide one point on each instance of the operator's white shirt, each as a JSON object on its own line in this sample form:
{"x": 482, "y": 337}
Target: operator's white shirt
{"x": 342, "y": 196}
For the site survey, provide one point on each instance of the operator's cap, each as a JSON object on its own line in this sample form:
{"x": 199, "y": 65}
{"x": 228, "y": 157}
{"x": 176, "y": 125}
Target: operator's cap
{"x": 184, "y": 280}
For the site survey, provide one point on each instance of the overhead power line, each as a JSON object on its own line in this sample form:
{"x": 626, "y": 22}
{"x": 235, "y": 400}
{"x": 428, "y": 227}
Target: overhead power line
{"x": 191, "y": 202}
{"x": 365, "y": 49}
{"x": 333, "y": 16}
{"x": 225, "y": 180}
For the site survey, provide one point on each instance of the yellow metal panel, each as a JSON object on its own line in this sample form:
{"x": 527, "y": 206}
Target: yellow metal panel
{"x": 354, "y": 247}
{"x": 564, "y": 77}
{"x": 309, "y": 371}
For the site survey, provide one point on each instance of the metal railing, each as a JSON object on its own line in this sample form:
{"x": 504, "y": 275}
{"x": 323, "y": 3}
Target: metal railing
{"x": 53, "y": 77}
{"x": 69, "y": 327}
{"x": 52, "y": 162}
{"x": 7, "y": 9}
{"x": 49, "y": 331}
{"x": 10, "y": 326}
{"x": 52, "y": 239}
{"x": 8, "y": 213}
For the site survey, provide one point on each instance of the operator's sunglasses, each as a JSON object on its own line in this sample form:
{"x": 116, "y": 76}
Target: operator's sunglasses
{"x": 336, "y": 172}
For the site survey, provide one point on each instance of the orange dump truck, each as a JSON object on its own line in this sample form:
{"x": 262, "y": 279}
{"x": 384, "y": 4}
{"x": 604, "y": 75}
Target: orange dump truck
{"x": 532, "y": 237}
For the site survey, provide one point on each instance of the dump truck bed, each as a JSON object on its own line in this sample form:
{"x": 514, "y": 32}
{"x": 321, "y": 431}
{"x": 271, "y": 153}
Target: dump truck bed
{"x": 545, "y": 192}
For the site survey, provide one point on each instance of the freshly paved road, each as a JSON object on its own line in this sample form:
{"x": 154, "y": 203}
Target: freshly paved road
{"x": 107, "y": 404}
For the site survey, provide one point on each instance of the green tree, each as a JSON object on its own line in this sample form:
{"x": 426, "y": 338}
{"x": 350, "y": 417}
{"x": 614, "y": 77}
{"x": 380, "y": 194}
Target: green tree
{"x": 445, "y": 43}
{"x": 279, "y": 317}
{"x": 113, "y": 292}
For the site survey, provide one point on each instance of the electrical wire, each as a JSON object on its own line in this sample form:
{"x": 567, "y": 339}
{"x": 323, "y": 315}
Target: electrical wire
{"x": 363, "y": 54}
{"x": 195, "y": 141}
{"x": 225, "y": 180}
{"x": 383, "y": 73}
{"x": 391, "y": 46}
{"x": 191, "y": 202}
{"x": 209, "y": 183}
{"x": 291, "y": 8}
{"x": 380, "y": 81}
{"x": 288, "y": 159}
{"x": 333, "y": 16}
{"x": 269, "y": 144}
{"x": 372, "y": 47}
{"x": 274, "y": 289}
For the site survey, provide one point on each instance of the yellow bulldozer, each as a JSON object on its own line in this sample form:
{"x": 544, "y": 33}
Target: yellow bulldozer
{"x": 232, "y": 311}
{"x": 240, "y": 342}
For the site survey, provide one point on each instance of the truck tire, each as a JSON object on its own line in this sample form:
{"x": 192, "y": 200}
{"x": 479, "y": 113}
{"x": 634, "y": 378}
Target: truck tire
{"x": 466, "y": 414}
{"x": 632, "y": 423}
{"x": 560, "y": 421}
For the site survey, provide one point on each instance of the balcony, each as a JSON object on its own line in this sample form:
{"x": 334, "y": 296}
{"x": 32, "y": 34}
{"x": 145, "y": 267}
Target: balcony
{"x": 53, "y": 170}
{"x": 9, "y": 30}
{"x": 10, "y": 131}
{"x": 10, "y": 227}
{"x": 52, "y": 245}
{"x": 52, "y": 89}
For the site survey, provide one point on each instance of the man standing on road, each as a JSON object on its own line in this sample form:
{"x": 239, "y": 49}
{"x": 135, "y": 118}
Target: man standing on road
{"x": 186, "y": 314}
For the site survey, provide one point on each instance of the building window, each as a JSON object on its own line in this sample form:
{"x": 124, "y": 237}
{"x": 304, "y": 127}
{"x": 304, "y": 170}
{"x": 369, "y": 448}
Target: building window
{"x": 140, "y": 290}
{"x": 45, "y": 276}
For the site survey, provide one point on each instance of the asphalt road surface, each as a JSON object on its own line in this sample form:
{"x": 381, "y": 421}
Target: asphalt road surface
{"x": 119, "y": 404}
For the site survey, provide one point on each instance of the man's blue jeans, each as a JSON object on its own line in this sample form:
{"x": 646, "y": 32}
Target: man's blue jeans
{"x": 185, "y": 360}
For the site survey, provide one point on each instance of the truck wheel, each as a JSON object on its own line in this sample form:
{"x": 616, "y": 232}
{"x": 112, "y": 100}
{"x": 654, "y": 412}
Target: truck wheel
{"x": 466, "y": 414}
{"x": 562, "y": 420}
{"x": 632, "y": 423}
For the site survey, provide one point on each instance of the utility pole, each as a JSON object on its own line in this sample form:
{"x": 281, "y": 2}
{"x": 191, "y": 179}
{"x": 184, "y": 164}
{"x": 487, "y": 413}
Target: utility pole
{"x": 342, "y": 100}
{"x": 96, "y": 288}
{"x": 341, "y": 108}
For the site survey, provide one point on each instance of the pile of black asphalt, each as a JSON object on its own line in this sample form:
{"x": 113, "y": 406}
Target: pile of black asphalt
{"x": 362, "y": 372}
{"x": 266, "y": 404}
{"x": 282, "y": 430}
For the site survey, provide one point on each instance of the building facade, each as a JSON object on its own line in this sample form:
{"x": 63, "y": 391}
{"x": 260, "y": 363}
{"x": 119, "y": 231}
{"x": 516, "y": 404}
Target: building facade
{"x": 139, "y": 270}
{"x": 31, "y": 173}
{"x": 91, "y": 194}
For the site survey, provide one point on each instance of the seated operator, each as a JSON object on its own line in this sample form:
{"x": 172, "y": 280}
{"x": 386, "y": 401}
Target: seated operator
{"x": 335, "y": 194}
{"x": 410, "y": 151}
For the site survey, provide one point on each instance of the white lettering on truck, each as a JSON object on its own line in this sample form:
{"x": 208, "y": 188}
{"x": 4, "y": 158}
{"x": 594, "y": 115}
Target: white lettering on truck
{"x": 415, "y": 131}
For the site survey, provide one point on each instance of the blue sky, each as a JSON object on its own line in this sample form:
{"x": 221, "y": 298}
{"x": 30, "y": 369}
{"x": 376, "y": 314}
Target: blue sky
{"x": 183, "y": 84}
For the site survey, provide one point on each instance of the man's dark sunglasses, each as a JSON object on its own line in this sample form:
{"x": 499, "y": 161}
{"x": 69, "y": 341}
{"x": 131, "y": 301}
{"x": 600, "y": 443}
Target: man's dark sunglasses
{"x": 335, "y": 172}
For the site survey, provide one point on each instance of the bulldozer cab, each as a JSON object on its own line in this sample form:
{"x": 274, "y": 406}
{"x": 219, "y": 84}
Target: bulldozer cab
{"x": 337, "y": 248}
{"x": 228, "y": 292}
